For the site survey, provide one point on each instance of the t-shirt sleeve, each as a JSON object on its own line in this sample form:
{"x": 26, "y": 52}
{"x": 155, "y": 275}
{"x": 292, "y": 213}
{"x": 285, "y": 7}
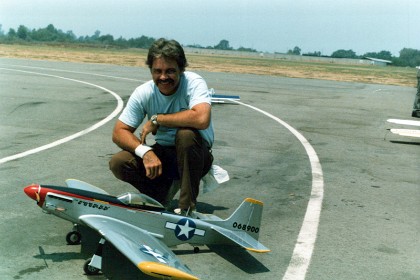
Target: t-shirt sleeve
{"x": 199, "y": 92}
{"x": 134, "y": 112}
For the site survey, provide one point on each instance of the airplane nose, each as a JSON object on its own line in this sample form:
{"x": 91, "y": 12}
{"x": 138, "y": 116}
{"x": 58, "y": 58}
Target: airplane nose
{"x": 32, "y": 191}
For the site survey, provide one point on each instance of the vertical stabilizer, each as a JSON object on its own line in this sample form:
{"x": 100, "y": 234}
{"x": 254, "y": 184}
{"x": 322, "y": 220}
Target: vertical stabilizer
{"x": 246, "y": 218}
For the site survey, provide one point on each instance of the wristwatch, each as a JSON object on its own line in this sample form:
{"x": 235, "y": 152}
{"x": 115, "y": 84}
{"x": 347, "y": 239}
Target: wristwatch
{"x": 153, "y": 119}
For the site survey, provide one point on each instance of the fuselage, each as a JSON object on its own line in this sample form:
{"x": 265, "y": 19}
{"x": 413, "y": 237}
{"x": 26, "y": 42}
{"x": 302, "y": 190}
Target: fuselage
{"x": 70, "y": 204}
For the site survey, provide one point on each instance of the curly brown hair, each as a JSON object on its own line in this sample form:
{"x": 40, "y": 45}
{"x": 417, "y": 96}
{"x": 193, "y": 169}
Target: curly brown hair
{"x": 167, "y": 49}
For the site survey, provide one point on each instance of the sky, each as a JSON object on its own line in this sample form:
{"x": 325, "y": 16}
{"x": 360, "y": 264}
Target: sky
{"x": 265, "y": 25}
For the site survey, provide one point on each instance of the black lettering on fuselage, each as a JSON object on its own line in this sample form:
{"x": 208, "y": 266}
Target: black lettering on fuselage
{"x": 93, "y": 205}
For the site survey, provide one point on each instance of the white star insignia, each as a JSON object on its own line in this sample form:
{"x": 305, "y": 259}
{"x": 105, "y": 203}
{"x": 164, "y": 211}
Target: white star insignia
{"x": 185, "y": 229}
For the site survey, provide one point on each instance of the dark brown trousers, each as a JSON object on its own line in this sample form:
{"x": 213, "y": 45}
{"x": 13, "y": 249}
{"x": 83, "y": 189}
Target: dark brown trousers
{"x": 187, "y": 162}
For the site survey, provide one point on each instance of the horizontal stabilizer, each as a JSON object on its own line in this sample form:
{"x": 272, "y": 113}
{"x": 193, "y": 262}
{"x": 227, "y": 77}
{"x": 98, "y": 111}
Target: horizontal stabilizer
{"x": 80, "y": 185}
{"x": 243, "y": 239}
{"x": 406, "y": 132}
{"x": 243, "y": 226}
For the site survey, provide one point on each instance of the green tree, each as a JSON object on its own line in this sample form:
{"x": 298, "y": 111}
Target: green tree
{"x": 344, "y": 54}
{"x": 12, "y": 33}
{"x": 223, "y": 45}
{"x": 22, "y": 32}
{"x": 380, "y": 55}
{"x": 296, "y": 51}
{"x": 142, "y": 42}
{"x": 313, "y": 54}
{"x": 106, "y": 39}
{"x": 408, "y": 57}
{"x": 242, "y": 49}
{"x": 47, "y": 34}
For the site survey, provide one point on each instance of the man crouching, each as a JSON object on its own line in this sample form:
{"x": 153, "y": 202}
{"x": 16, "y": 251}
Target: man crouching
{"x": 178, "y": 107}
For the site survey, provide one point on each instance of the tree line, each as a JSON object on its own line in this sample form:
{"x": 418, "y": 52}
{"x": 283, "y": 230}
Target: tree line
{"x": 408, "y": 57}
{"x": 50, "y": 34}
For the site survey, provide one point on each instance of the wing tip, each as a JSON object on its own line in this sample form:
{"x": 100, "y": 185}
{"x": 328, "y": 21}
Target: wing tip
{"x": 161, "y": 270}
{"x": 258, "y": 250}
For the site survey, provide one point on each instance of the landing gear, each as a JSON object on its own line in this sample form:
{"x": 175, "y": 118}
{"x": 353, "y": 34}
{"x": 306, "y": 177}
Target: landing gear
{"x": 94, "y": 265}
{"x": 74, "y": 237}
{"x": 196, "y": 250}
{"x": 90, "y": 270}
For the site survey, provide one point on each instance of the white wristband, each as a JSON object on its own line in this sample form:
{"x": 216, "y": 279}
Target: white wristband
{"x": 141, "y": 150}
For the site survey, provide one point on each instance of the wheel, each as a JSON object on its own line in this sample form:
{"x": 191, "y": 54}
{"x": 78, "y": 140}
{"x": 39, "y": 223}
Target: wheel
{"x": 90, "y": 270}
{"x": 73, "y": 238}
{"x": 196, "y": 250}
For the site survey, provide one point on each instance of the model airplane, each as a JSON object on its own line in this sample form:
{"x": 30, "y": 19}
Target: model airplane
{"x": 141, "y": 229}
{"x": 403, "y": 131}
{"x": 222, "y": 98}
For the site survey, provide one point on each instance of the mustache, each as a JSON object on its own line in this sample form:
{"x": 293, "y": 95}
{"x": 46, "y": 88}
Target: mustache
{"x": 169, "y": 80}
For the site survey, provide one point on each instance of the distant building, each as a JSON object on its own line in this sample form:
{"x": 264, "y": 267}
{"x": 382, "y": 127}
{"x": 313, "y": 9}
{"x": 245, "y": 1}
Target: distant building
{"x": 379, "y": 62}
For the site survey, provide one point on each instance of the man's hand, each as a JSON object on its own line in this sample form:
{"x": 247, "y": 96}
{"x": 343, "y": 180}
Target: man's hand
{"x": 152, "y": 165}
{"x": 148, "y": 127}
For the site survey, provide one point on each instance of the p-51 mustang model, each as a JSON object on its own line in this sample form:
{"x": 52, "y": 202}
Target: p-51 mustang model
{"x": 141, "y": 229}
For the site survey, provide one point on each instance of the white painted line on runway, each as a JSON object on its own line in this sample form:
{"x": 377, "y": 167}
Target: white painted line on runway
{"x": 75, "y": 72}
{"x": 73, "y": 136}
{"x": 305, "y": 244}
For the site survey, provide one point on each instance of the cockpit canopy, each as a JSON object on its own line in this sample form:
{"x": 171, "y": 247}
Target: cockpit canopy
{"x": 138, "y": 200}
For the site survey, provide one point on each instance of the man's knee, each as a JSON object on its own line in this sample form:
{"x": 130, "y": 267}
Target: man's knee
{"x": 120, "y": 162}
{"x": 186, "y": 137}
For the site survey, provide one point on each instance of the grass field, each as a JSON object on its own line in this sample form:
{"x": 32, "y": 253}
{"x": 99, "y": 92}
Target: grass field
{"x": 389, "y": 75}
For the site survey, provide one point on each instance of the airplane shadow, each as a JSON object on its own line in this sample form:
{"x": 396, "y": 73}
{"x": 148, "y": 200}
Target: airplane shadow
{"x": 202, "y": 207}
{"x": 208, "y": 208}
{"x": 405, "y": 142}
{"x": 59, "y": 257}
{"x": 237, "y": 256}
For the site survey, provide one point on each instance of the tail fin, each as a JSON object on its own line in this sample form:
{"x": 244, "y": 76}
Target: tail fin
{"x": 243, "y": 226}
{"x": 247, "y": 217}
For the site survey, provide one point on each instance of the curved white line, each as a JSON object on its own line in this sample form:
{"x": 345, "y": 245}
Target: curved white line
{"x": 73, "y": 136}
{"x": 305, "y": 244}
{"x": 76, "y": 72}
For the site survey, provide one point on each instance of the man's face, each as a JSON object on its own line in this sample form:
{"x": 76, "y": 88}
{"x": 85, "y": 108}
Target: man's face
{"x": 166, "y": 75}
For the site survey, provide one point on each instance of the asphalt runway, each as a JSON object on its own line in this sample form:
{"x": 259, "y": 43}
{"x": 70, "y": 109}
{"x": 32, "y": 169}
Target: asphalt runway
{"x": 341, "y": 194}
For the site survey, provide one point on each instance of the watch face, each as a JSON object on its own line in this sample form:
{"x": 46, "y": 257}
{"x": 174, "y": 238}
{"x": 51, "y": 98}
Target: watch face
{"x": 154, "y": 119}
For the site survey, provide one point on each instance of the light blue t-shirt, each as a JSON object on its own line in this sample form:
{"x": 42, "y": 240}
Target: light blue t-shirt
{"x": 147, "y": 100}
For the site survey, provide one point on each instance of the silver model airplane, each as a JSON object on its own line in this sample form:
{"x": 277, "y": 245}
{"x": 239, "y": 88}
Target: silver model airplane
{"x": 141, "y": 229}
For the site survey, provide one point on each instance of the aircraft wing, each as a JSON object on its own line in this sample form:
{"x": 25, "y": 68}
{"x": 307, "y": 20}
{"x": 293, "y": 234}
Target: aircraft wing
{"x": 243, "y": 239}
{"x": 148, "y": 253}
{"x": 404, "y": 122}
{"x": 222, "y": 98}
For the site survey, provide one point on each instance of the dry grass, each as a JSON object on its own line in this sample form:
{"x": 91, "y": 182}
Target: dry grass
{"x": 217, "y": 63}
